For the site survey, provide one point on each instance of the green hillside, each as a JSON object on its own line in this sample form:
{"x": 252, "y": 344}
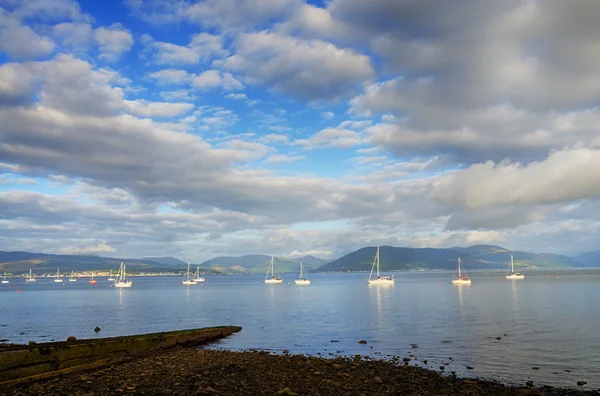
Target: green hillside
{"x": 473, "y": 257}
{"x": 258, "y": 263}
{"x": 21, "y": 262}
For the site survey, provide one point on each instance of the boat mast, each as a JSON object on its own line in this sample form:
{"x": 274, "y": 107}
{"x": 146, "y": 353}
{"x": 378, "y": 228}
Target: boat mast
{"x": 459, "y": 268}
{"x": 377, "y": 258}
{"x": 512, "y": 264}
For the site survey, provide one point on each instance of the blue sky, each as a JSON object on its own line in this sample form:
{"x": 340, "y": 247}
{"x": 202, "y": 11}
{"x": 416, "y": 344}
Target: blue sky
{"x": 203, "y": 128}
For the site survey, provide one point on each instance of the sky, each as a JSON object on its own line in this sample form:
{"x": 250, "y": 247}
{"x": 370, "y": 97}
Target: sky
{"x": 195, "y": 129}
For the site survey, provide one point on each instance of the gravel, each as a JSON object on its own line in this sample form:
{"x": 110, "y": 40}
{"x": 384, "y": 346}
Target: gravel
{"x": 193, "y": 371}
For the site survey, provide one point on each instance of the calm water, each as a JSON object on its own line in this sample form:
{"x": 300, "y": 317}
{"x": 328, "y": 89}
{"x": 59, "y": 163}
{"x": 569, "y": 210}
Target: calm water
{"x": 550, "y": 320}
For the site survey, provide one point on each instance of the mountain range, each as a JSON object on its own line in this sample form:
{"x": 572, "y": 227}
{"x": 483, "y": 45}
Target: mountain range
{"x": 473, "y": 257}
{"x": 391, "y": 258}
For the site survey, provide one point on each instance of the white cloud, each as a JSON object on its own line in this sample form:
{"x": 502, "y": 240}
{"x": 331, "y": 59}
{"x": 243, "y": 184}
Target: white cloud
{"x": 237, "y": 96}
{"x": 170, "y": 76}
{"x": 312, "y": 70}
{"x": 282, "y": 158}
{"x": 202, "y": 48}
{"x": 331, "y": 137}
{"x": 212, "y": 79}
{"x": 180, "y": 94}
{"x": 156, "y": 109}
{"x": 113, "y": 40}
{"x": 221, "y": 14}
{"x": 100, "y": 247}
{"x": 20, "y": 41}
{"x": 77, "y": 35}
{"x": 327, "y": 115}
{"x": 51, "y": 11}
{"x": 564, "y": 176}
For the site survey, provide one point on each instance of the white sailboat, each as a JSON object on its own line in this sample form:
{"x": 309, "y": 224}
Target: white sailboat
{"x": 31, "y": 277}
{"x": 73, "y": 277}
{"x": 58, "y": 278}
{"x": 5, "y": 280}
{"x": 272, "y": 278}
{"x": 122, "y": 280}
{"x": 197, "y": 277}
{"x": 110, "y": 277}
{"x": 380, "y": 280}
{"x": 302, "y": 280}
{"x": 188, "y": 278}
{"x": 463, "y": 278}
{"x": 514, "y": 275}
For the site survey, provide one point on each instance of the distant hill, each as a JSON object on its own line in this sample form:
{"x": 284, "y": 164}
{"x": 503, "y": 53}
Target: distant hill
{"x": 311, "y": 261}
{"x": 473, "y": 257}
{"x": 258, "y": 263}
{"x": 496, "y": 254}
{"x": 171, "y": 262}
{"x": 588, "y": 259}
{"x": 21, "y": 262}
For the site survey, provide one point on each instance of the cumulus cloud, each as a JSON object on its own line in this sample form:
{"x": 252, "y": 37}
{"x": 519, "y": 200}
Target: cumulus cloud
{"x": 170, "y": 77}
{"x": 222, "y": 14}
{"x": 202, "y": 48}
{"x": 113, "y": 40}
{"x": 565, "y": 176}
{"x": 211, "y": 79}
{"x": 331, "y": 137}
{"x": 311, "y": 70}
{"x": 156, "y": 109}
{"x": 20, "y": 41}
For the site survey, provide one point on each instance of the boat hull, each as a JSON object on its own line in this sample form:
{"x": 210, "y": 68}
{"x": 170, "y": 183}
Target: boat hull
{"x": 302, "y": 282}
{"x": 515, "y": 277}
{"x": 382, "y": 282}
{"x": 188, "y": 282}
{"x": 461, "y": 282}
{"x": 124, "y": 284}
{"x": 58, "y": 280}
{"x": 200, "y": 280}
{"x": 273, "y": 281}
{"x": 5, "y": 281}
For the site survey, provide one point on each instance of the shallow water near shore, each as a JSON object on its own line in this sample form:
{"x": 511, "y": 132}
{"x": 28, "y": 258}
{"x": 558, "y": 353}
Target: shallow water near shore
{"x": 549, "y": 321}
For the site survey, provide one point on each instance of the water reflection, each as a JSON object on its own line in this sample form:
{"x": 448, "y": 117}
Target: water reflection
{"x": 121, "y": 297}
{"x": 382, "y": 292}
{"x": 460, "y": 295}
{"x": 515, "y": 294}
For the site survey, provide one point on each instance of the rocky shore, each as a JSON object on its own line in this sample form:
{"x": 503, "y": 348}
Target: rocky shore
{"x": 196, "y": 371}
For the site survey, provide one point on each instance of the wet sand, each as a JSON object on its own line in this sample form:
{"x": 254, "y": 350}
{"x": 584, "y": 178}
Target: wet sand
{"x": 196, "y": 371}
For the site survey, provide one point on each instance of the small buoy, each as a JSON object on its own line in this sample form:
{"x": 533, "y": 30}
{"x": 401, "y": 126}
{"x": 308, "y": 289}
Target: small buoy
{"x": 558, "y": 277}
{"x": 18, "y": 290}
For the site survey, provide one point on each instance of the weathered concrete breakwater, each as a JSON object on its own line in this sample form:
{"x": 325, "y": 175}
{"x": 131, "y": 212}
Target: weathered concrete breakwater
{"x": 26, "y": 363}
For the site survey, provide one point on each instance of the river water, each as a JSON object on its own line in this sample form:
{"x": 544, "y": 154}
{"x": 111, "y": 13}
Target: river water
{"x": 503, "y": 329}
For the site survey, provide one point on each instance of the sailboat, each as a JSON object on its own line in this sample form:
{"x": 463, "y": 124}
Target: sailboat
{"x": 380, "y": 280}
{"x": 122, "y": 280}
{"x": 73, "y": 277}
{"x": 272, "y": 278}
{"x": 110, "y": 277}
{"x": 188, "y": 278}
{"x": 92, "y": 281}
{"x": 58, "y": 278}
{"x": 197, "y": 277}
{"x": 5, "y": 280}
{"x": 463, "y": 278}
{"x": 302, "y": 280}
{"x": 30, "y": 278}
{"x": 514, "y": 275}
